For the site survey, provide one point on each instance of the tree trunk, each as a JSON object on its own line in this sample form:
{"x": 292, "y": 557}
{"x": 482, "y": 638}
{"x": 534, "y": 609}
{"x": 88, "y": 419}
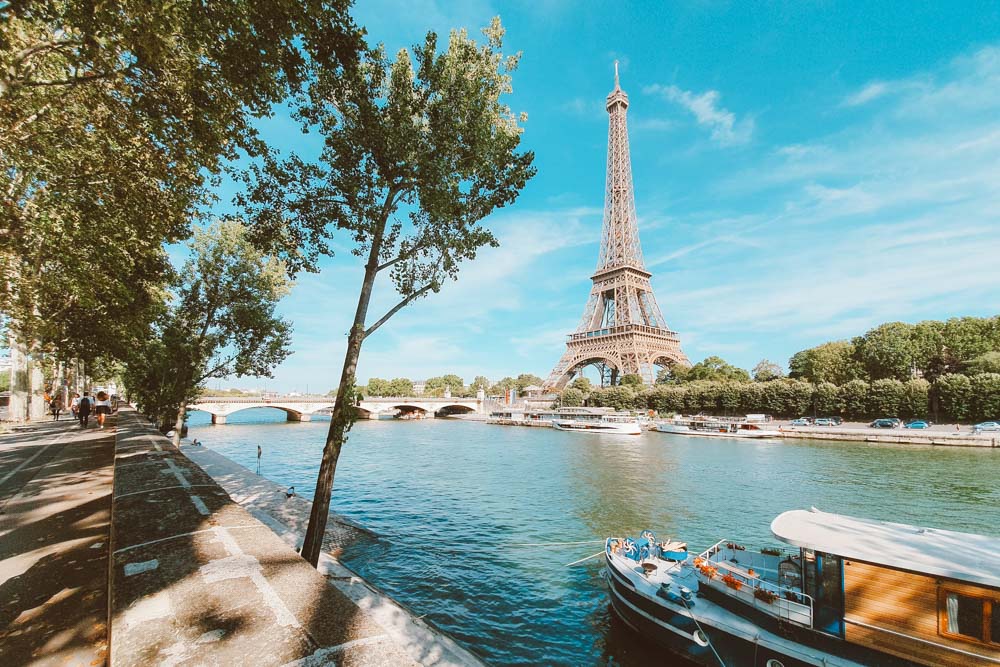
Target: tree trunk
{"x": 179, "y": 424}
{"x": 343, "y": 408}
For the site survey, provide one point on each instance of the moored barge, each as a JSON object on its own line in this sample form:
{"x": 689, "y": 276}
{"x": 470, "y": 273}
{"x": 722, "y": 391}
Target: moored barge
{"x": 845, "y": 591}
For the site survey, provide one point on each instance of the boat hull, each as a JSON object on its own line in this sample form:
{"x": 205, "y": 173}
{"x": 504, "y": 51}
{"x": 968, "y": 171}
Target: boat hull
{"x": 684, "y": 430}
{"x": 674, "y": 632}
{"x": 597, "y": 427}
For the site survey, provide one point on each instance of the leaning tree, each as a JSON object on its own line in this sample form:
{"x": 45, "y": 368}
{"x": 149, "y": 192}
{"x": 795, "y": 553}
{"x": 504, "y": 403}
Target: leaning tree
{"x": 417, "y": 150}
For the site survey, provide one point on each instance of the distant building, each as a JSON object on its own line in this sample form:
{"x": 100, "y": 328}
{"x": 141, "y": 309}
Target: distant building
{"x": 419, "y": 386}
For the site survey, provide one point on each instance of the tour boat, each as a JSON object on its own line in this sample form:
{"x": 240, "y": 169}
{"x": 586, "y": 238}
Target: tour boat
{"x": 849, "y": 592}
{"x": 717, "y": 427}
{"x": 614, "y": 424}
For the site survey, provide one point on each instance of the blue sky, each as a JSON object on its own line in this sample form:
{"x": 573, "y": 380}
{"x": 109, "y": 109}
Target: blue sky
{"x": 803, "y": 171}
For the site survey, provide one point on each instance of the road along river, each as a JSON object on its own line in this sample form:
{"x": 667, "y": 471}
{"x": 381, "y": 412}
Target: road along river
{"x": 474, "y": 519}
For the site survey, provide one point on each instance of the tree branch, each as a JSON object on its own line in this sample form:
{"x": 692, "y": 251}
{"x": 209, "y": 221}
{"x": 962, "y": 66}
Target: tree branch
{"x": 402, "y": 256}
{"x": 423, "y": 290}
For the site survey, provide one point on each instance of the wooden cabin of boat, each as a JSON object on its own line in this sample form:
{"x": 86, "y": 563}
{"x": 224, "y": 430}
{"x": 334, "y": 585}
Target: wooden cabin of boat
{"x": 926, "y": 595}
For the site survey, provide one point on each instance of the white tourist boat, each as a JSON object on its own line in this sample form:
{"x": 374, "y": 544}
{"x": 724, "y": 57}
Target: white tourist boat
{"x": 718, "y": 427}
{"x": 613, "y": 424}
{"x": 848, "y": 592}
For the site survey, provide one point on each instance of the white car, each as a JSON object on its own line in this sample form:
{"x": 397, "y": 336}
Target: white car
{"x": 986, "y": 426}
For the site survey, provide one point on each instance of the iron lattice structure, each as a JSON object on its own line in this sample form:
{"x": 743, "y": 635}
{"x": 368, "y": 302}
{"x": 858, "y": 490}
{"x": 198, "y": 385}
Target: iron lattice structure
{"x": 622, "y": 330}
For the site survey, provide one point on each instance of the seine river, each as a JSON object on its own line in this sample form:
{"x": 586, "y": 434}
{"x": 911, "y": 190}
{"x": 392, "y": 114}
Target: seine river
{"x": 455, "y": 503}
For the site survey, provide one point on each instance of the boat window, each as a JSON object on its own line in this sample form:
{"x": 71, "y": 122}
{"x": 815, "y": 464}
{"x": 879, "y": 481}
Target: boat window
{"x": 969, "y": 617}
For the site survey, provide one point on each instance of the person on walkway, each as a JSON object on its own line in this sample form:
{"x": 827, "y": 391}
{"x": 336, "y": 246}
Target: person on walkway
{"x": 74, "y": 405}
{"x": 55, "y": 405}
{"x": 103, "y": 407}
{"x": 83, "y": 409}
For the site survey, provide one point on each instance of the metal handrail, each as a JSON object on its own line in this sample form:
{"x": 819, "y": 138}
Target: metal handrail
{"x": 757, "y": 582}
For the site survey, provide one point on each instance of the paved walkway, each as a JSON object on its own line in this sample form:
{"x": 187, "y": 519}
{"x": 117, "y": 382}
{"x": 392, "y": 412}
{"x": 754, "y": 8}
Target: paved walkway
{"x": 55, "y": 509}
{"x": 197, "y": 580}
{"x": 288, "y": 517}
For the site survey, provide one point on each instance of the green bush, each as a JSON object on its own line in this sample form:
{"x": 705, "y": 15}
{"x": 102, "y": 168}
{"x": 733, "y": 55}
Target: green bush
{"x": 985, "y": 396}
{"x": 885, "y": 398}
{"x": 954, "y": 392}
{"x": 915, "y": 398}
{"x": 854, "y": 397}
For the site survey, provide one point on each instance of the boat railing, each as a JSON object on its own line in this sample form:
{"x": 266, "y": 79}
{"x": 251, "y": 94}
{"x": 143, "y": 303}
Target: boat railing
{"x": 789, "y": 604}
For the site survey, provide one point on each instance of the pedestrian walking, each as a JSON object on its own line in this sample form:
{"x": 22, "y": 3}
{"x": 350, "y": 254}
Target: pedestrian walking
{"x": 102, "y": 407}
{"x": 74, "y": 405}
{"x": 83, "y": 409}
{"x": 55, "y": 405}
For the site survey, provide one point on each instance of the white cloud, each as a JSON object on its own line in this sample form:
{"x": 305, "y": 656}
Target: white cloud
{"x": 725, "y": 129}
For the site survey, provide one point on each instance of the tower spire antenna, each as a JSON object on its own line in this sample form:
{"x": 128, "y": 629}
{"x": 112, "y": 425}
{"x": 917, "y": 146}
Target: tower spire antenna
{"x": 617, "y": 85}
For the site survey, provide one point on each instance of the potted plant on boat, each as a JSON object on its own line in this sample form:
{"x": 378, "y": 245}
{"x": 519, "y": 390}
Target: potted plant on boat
{"x": 732, "y": 582}
{"x": 765, "y": 595}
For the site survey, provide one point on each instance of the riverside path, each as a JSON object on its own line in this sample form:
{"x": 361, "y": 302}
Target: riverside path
{"x": 55, "y": 511}
{"x": 117, "y": 549}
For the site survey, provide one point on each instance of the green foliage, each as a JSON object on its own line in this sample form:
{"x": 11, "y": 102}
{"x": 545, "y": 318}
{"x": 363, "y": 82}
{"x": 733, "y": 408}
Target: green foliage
{"x": 914, "y": 402}
{"x": 375, "y": 387}
{"x": 502, "y": 386}
{"x": 436, "y": 385}
{"x": 830, "y": 362}
{"x": 582, "y": 383}
{"x": 988, "y": 362}
{"x": 666, "y": 399}
{"x": 525, "y": 380}
{"x": 885, "y": 398}
{"x": 766, "y": 370}
{"x": 619, "y": 398}
{"x": 572, "y": 397}
{"x": 887, "y": 351}
{"x": 955, "y": 395}
{"x": 710, "y": 368}
{"x": 826, "y": 399}
{"x": 117, "y": 118}
{"x": 632, "y": 380}
{"x": 221, "y": 323}
{"x": 5, "y": 381}
{"x": 401, "y": 387}
{"x": 854, "y": 397}
{"x": 985, "y": 396}
{"x": 481, "y": 382}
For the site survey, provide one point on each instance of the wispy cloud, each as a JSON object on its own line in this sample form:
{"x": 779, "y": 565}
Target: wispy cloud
{"x": 724, "y": 127}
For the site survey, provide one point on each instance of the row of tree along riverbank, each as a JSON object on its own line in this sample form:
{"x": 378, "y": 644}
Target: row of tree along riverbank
{"x": 953, "y": 397}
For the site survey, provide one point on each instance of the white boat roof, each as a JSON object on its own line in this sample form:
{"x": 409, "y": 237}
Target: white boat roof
{"x": 943, "y": 553}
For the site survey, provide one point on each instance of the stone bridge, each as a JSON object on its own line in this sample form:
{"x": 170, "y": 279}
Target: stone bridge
{"x": 302, "y": 408}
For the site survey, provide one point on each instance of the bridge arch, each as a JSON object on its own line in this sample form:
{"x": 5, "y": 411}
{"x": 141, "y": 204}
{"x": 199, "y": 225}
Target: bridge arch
{"x": 454, "y": 409}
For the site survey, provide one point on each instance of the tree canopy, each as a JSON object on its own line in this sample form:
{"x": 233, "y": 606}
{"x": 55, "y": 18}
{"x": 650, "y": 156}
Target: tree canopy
{"x": 117, "y": 118}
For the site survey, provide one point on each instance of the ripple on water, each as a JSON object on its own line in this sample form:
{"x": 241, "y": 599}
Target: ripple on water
{"x": 451, "y": 500}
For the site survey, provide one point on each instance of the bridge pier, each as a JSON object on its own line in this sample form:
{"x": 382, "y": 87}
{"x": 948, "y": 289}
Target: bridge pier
{"x": 293, "y": 417}
{"x": 218, "y": 419}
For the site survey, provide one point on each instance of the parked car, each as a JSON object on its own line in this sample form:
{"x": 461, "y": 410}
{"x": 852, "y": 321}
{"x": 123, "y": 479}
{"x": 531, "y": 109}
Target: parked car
{"x": 884, "y": 423}
{"x": 897, "y": 421}
{"x": 837, "y": 421}
{"x": 986, "y": 426}
{"x": 918, "y": 423}
{"x": 801, "y": 421}
{"x": 823, "y": 421}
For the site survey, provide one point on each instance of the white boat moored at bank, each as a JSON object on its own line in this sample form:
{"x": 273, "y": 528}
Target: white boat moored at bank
{"x": 751, "y": 426}
{"x": 613, "y": 424}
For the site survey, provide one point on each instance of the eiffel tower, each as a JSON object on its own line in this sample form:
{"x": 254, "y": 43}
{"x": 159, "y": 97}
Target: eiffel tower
{"x": 622, "y": 330}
